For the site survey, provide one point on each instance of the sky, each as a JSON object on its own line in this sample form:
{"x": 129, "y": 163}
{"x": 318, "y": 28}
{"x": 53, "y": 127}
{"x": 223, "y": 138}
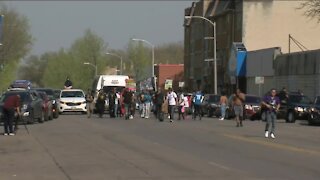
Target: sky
{"x": 56, "y": 24}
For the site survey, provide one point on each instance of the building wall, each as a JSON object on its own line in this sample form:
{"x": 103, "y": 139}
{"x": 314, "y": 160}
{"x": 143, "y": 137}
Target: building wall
{"x": 300, "y": 70}
{"x": 268, "y": 23}
{"x": 169, "y": 71}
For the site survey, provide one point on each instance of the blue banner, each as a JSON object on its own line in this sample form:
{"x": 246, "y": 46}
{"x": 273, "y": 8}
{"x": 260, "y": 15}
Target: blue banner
{"x": 241, "y": 63}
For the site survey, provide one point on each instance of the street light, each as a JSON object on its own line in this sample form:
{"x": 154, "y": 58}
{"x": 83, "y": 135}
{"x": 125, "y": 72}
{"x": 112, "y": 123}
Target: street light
{"x": 87, "y": 63}
{"x": 152, "y": 57}
{"x": 215, "y": 47}
{"x": 112, "y": 54}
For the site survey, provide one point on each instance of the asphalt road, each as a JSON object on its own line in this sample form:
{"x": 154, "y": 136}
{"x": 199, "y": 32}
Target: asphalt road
{"x": 74, "y": 147}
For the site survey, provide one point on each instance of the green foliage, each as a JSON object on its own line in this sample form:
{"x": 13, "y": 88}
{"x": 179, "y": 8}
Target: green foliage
{"x": 171, "y": 53}
{"x": 16, "y": 40}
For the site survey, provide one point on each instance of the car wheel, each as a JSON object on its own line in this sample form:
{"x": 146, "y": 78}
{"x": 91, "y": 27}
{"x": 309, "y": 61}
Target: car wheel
{"x": 290, "y": 117}
{"x": 209, "y": 113}
{"x": 42, "y": 117}
{"x": 227, "y": 114}
{"x": 31, "y": 118}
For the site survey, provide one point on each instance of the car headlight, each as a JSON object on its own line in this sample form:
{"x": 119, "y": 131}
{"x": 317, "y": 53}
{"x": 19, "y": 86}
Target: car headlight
{"x": 248, "y": 107}
{"x": 213, "y": 105}
{"x": 313, "y": 109}
{"x": 83, "y": 102}
{"x": 61, "y": 102}
{"x": 299, "y": 109}
{"x": 25, "y": 107}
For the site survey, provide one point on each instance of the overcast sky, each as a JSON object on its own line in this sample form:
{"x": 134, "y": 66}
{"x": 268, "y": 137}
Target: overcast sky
{"x": 56, "y": 24}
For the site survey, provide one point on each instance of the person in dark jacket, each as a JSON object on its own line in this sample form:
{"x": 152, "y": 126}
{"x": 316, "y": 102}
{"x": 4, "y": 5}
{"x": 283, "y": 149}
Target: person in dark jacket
{"x": 100, "y": 104}
{"x": 10, "y": 106}
{"x": 112, "y": 96}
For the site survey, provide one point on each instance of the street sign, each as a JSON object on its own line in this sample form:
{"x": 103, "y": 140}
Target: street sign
{"x": 259, "y": 80}
{"x": 181, "y": 84}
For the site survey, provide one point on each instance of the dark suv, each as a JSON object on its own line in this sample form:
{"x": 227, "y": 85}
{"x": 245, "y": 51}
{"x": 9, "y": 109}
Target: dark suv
{"x": 296, "y": 106}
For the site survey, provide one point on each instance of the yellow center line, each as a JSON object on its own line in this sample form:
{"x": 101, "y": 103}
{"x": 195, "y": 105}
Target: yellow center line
{"x": 272, "y": 144}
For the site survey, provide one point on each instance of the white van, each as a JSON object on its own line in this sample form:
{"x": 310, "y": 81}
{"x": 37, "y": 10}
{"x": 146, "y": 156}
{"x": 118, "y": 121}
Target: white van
{"x": 107, "y": 83}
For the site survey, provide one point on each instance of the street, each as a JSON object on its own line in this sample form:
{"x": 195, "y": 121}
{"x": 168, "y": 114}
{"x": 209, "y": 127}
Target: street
{"x": 74, "y": 147}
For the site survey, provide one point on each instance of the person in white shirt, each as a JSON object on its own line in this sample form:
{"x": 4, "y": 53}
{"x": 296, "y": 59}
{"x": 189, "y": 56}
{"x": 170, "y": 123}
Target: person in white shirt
{"x": 172, "y": 101}
{"x": 116, "y": 104}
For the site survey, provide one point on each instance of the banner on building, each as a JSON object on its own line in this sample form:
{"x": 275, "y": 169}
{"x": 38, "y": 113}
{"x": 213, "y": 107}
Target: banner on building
{"x": 181, "y": 84}
{"x": 131, "y": 84}
{"x": 259, "y": 80}
{"x": 168, "y": 84}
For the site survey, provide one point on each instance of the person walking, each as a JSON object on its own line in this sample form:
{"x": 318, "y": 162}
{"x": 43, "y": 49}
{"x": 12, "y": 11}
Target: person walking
{"x": 237, "y": 102}
{"x": 223, "y": 105}
{"x": 100, "y": 104}
{"x": 272, "y": 102}
{"x": 10, "y": 106}
{"x": 181, "y": 106}
{"x": 116, "y": 104}
{"x": 112, "y": 101}
{"x": 159, "y": 100}
{"x": 147, "y": 104}
{"x": 89, "y": 102}
{"x": 172, "y": 101}
{"x": 197, "y": 102}
{"x": 127, "y": 100}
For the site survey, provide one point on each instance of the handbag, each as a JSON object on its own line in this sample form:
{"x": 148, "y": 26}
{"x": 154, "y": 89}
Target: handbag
{"x": 182, "y": 109}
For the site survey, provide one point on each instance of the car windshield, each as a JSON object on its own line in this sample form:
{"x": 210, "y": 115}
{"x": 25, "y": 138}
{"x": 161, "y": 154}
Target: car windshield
{"x": 299, "y": 99}
{"x": 65, "y": 94}
{"x": 49, "y": 92}
{"x": 253, "y": 99}
{"x": 214, "y": 99}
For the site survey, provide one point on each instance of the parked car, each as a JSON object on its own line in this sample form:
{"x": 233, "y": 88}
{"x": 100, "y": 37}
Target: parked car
{"x": 295, "y": 107}
{"x": 47, "y": 106}
{"x": 210, "y": 105}
{"x": 26, "y": 84}
{"x": 31, "y": 105}
{"x": 252, "y": 107}
{"x": 72, "y": 100}
{"x": 314, "y": 112}
{"x": 53, "y": 98}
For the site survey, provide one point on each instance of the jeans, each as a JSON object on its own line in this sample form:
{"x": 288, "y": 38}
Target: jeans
{"x": 8, "y": 120}
{"x": 197, "y": 111}
{"x": 116, "y": 110}
{"x": 271, "y": 118}
{"x": 171, "y": 111}
{"x": 146, "y": 109}
{"x": 223, "y": 110}
{"x": 127, "y": 110}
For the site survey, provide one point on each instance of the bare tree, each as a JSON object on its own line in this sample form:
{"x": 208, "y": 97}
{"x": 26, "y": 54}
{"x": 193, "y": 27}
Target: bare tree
{"x": 312, "y": 9}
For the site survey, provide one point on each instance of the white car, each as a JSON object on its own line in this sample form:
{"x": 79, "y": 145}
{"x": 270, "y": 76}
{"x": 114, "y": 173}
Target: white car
{"x": 72, "y": 100}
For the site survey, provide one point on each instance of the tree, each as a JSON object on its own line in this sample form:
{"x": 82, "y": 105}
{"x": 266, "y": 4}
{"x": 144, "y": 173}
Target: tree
{"x": 17, "y": 42}
{"x": 312, "y": 9}
{"x": 138, "y": 60}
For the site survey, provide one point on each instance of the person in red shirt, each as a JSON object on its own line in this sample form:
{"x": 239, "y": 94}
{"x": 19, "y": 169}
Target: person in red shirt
{"x": 10, "y": 106}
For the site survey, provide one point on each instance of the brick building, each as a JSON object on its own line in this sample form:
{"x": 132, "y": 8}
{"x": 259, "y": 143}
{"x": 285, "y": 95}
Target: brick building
{"x": 173, "y": 72}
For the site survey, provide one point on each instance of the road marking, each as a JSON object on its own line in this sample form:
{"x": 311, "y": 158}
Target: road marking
{"x": 274, "y": 145}
{"x": 219, "y": 165}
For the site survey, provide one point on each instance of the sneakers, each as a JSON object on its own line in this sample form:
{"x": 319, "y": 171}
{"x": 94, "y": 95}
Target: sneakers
{"x": 5, "y": 134}
{"x": 266, "y": 134}
{"x": 130, "y": 117}
{"x": 11, "y": 134}
{"x": 221, "y": 119}
{"x": 272, "y": 136}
